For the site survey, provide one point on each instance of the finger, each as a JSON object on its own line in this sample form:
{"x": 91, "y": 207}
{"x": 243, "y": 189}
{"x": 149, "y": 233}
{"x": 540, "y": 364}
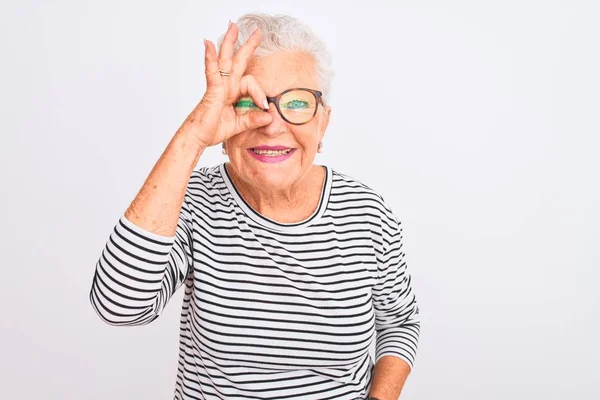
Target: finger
{"x": 243, "y": 55}
{"x": 226, "y": 50}
{"x": 249, "y": 87}
{"x": 211, "y": 65}
{"x": 252, "y": 120}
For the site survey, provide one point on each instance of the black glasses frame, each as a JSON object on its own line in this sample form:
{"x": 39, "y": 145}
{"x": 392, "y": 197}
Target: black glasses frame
{"x": 275, "y": 100}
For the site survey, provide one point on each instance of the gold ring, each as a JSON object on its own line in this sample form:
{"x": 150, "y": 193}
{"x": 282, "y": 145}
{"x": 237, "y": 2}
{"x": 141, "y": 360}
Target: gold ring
{"x": 224, "y": 73}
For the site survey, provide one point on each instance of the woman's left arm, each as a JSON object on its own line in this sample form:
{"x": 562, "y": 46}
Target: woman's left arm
{"x": 397, "y": 320}
{"x": 389, "y": 377}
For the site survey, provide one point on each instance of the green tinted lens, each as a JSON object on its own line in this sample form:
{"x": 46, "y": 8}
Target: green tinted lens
{"x": 244, "y": 105}
{"x": 298, "y": 106}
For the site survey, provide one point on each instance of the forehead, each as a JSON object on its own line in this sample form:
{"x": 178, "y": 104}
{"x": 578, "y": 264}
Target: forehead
{"x": 282, "y": 71}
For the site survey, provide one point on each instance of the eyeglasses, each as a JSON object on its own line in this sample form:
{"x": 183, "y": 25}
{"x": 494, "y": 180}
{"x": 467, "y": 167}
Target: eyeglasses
{"x": 296, "y": 106}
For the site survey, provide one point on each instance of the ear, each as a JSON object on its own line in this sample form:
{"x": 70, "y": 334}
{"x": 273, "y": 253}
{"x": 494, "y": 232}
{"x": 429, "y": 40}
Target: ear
{"x": 324, "y": 120}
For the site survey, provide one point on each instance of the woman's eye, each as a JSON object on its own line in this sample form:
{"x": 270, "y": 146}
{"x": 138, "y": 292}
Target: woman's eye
{"x": 245, "y": 103}
{"x": 295, "y": 104}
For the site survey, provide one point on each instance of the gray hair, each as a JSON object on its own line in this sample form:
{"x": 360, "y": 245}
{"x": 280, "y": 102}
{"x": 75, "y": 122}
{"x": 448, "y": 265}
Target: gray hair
{"x": 282, "y": 33}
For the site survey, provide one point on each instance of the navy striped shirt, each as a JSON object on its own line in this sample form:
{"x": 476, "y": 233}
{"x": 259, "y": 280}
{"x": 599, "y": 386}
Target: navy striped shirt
{"x": 271, "y": 310}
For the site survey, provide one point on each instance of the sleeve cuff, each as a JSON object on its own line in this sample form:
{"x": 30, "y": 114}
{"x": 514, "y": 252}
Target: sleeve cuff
{"x": 401, "y": 342}
{"x": 168, "y": 240}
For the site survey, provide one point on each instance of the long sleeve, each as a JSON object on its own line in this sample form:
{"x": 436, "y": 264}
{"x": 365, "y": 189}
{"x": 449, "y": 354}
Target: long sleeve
{"x": 396, "y": 310}
{"x": 139, "y": 271}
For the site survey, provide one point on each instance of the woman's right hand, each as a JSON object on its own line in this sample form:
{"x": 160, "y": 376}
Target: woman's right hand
{"x": 214, "y": 119}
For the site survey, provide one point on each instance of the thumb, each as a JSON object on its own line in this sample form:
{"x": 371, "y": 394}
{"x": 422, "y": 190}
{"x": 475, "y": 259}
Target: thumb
{"x": 252, "y": 120}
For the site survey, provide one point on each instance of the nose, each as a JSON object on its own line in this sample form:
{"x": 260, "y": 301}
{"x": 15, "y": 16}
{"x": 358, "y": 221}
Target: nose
{"x": 277, "y": 126}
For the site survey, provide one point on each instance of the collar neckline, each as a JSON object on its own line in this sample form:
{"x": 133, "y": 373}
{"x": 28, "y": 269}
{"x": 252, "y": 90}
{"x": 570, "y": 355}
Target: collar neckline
{"x": 270, "y": 223}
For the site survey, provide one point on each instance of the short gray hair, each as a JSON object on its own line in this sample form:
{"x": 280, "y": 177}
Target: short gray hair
{"x": 282, "y": 33}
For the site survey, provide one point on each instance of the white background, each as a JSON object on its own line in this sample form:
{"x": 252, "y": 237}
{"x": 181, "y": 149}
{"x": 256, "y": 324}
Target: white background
{"x": 478, "y": 121}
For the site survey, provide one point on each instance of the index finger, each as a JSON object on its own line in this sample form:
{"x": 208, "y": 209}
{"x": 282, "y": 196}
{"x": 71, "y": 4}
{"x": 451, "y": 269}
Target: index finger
{"x": 242, "y": 57}
{"x": 226, "y": 50}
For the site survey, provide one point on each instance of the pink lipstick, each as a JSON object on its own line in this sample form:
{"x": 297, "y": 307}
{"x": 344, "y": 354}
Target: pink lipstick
{"x": 271, "y": 154}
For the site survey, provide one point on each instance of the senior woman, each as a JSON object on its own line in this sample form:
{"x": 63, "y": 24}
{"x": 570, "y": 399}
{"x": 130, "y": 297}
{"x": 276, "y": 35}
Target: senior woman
{"x": 290, "y": 269}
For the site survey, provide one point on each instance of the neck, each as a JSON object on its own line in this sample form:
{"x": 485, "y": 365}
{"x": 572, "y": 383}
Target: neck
{"x": 294, "y": 203}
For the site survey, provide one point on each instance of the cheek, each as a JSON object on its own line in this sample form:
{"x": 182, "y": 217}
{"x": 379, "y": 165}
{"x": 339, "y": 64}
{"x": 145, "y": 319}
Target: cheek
{"x": 308, "y": 140}
{"x": 236, "y": 144}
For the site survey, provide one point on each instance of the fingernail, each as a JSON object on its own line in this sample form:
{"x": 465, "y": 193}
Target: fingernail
{"x": 266, "y": 104}
{"x": 204, "y": 42}
{"x": 229, "y": 26}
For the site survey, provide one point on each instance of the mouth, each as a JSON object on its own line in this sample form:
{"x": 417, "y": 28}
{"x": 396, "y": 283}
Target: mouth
{"x": 271, "y": 153}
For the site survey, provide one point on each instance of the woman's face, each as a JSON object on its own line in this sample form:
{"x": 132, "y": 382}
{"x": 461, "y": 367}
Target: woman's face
{"x": 275, "y": 74}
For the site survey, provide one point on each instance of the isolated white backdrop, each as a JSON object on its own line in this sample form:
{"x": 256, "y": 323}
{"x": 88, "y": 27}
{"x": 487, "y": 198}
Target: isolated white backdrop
{"x": 477, "y": 121}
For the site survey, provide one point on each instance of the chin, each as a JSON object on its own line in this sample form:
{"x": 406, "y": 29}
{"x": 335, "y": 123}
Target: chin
{"x": 275, "y": 177}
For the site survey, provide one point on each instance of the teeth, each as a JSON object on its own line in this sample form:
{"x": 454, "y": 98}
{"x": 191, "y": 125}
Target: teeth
{"x": 272, "y": 153}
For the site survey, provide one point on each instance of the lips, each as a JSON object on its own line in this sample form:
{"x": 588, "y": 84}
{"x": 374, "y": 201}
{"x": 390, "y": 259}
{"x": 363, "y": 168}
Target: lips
{"x": 271, "y": 151}
{"x": 270, "y": 148}
{"x": 271, "y": 154}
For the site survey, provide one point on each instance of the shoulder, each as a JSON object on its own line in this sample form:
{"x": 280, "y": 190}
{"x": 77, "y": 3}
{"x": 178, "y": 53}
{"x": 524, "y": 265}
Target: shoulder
{"x": 345, "y": 188}
{"x": 208, "y": 179}
{"x": 354, "y": 196}
{"x": 206, "y": 176}
{"x": 207, "y": 188}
